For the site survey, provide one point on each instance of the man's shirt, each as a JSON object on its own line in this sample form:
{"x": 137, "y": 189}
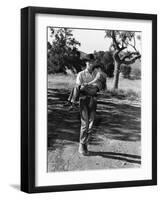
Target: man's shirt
{"x": 85, "y": 77}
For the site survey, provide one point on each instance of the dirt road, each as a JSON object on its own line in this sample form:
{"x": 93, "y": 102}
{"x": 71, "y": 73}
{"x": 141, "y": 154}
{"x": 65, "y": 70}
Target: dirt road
{"x": 115, "y": 142}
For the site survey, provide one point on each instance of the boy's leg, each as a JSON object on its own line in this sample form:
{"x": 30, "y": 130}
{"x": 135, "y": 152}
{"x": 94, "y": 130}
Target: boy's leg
{"x": 75, "y": 94}
{"x": 71, "y": 95}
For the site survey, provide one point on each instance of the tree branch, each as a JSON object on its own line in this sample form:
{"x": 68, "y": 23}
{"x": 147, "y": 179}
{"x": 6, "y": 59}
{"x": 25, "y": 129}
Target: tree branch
{"x": 116, "y": 54}
{"x": 134, "y": 41}
{"x": 129, "y": 56}
{"x": 133, "y": 46}
{"x": 131, "y": 61}
{"x": 121, "y": 49}
{"x": 115, "y": 41}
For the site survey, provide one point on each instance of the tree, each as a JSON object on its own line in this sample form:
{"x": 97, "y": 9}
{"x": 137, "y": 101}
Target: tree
{"x": 62, "y": 52}
{"x": 106, "y": 60}
{"x": 124, "y": 50}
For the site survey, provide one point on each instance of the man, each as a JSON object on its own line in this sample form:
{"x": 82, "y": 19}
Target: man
{"x": 87, "y": 102}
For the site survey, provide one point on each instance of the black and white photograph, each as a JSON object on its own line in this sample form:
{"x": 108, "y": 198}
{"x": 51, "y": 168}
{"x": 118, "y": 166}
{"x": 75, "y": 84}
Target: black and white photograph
{"x": 93, "y": 99}
{"x": 89, "y": 91}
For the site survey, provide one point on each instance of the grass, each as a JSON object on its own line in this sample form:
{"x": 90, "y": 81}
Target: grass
{"x": 61, "y": 81}
{"x": 130, "y": 89}
{"x": 124, "y": 94}
{"x": 126, "y": 84}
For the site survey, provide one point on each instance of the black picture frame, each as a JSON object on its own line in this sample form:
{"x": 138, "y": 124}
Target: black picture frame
{"x": 28, "y": 98}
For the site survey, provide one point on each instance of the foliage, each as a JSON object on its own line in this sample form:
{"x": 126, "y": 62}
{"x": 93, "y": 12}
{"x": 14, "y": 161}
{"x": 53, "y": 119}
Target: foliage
{"x": 136, "y": 73}
{"x": 106, "y": 60}
{"x": 63, "y": 52}
{"x": 126, "y": 71}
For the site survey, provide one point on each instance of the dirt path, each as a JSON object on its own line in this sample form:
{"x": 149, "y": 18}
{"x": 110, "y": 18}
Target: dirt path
{"x": 115, "y": 142}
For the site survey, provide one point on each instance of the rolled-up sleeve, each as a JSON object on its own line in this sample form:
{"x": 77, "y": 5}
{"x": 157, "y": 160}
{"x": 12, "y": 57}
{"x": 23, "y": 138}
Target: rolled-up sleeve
{"x": 79, "y": 79}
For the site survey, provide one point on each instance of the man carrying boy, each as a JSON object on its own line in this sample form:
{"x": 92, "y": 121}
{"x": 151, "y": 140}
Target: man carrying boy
{"x": 87, "y": 102}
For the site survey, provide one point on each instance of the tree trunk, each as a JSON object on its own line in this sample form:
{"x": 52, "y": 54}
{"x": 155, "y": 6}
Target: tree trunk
{"x": 116, "y": 75}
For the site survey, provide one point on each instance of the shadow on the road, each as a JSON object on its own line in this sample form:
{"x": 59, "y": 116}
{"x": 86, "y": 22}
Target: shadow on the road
{"x": 114, "y": 120}
{"x": 118, "y": 156}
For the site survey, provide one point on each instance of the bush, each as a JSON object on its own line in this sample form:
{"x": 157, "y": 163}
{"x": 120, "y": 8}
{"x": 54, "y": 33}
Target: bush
{"x": 126, "y": 70}
{"x": 105, "y": 59}
{"x": 110, "y": 70}
{"x": 136, "y": 73}
{"x": 124, "y": 94}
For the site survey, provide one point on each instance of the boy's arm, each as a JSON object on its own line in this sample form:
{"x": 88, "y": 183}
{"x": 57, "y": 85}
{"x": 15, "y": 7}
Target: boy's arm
{"x": 94, "y": 80}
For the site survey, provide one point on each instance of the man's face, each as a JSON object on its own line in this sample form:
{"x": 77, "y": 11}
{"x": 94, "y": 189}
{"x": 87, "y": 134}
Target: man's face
{"x": 90, "y": 65}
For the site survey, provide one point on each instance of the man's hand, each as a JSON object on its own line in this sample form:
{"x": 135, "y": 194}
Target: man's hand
{"x": 83, "y": 87}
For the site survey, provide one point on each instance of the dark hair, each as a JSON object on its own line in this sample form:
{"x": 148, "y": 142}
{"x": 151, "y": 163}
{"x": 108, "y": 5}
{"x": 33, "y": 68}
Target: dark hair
{"x": 101, "y": 66}
{"x": 97, "y": 66}
{"x": 89, "y": 57}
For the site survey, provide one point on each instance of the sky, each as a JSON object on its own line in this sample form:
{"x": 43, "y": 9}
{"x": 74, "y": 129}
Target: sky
{"x": 92, "y": 40}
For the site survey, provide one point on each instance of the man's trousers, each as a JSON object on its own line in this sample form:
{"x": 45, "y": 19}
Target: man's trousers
{"x": 88, "y": 106}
